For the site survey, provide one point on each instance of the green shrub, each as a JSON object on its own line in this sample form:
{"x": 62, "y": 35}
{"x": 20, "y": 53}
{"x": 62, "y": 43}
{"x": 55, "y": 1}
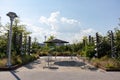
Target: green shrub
{"x": 16, "y": 60}
{"x": 23, "y": 59}
{"x": 26, "y": 58}
{"x": 3, "y": 62}
{"x": 34, "y": 56}
{"x": 95, "y": 62}
{"x": 67, "y": 53}
{"x": 43, "y": 53}
{"x": 90, "y": 52}
{"x": 83, "y": 53}
{"x": 106, "y": 62}
{"x": 19, "y": 61}
{"x": 112, "y": 63}
{"x": 2, "y": 55}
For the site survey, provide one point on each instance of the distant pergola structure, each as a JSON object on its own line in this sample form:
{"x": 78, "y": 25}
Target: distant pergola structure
{"x": 57, "y": 42}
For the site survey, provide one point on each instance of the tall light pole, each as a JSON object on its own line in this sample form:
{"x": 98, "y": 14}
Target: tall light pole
{"x": 11, "y": 15}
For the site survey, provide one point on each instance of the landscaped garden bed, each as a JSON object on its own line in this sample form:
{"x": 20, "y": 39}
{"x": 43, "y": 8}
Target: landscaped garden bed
{"x": 108, "y": 64}
{"x": 105, "y": 63}
{"x": 17, "y": 61}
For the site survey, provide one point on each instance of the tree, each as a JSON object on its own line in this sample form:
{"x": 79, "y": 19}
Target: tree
{"x": 49, "y": 39}
{"x": 3, "y": 42}
{"x": 19, "y": 33}
{"x": 117, "y": 42}
{"x": 35, "y": 45}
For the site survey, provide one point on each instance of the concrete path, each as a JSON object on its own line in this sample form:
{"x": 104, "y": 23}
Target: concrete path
{"x": 62, "y": 68}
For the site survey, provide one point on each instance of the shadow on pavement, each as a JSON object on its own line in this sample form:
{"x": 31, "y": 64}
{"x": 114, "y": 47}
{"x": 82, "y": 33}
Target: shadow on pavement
{"x": 88, "y": 67}
{"x": 29, "y": 66}
{"x": 32, "y": 64}
{"x": 51, "y": 67}
{"x": 70, "y": 63}
{"x": 76, "y": 64}
{"x": 13, "y": 73}
{"x": 93, "y": 68}
{"x": 54, "y": 68}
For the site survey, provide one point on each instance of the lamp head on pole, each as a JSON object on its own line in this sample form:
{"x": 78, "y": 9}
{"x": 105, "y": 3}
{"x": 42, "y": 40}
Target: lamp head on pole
{"x": 12, "y": 15}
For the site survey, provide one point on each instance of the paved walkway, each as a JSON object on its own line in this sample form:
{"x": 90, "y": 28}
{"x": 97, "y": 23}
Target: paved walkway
{"x": 61, "y": 68}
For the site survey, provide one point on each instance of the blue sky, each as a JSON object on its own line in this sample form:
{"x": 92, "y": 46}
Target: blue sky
{"x": 66, "y": 19}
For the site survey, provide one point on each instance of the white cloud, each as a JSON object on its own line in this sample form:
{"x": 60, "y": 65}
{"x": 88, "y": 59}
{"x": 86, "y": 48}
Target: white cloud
{"x": 51, "y": 21}
{"x": 84, "y": 32}
{"x": 69, "y": 21}
{"x": 38, "y": 31}
{"x": 53, "y": 17}
{"x": 87, "y": 31}
{"x": 78, "y": 36}
{"x": 43, "y": 20}
{"x": 61, "y": 27}
{"x": 60, "y": 24}
{"x": 2, "y": 30}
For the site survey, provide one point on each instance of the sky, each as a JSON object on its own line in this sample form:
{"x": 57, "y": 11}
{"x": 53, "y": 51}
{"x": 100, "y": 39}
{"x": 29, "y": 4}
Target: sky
{"x": 68, "y": 20}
